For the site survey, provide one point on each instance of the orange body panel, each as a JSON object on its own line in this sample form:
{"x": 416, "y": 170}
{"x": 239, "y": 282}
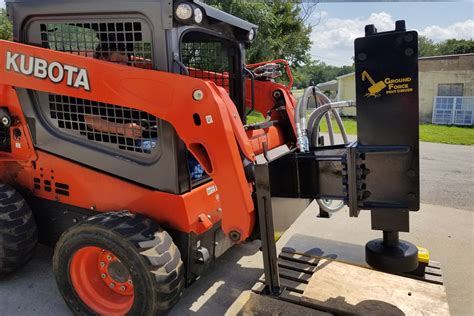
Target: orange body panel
{"x": 169, "y": 97}
{"x": 218, "y": 142}
{"x": 90, "y": 189}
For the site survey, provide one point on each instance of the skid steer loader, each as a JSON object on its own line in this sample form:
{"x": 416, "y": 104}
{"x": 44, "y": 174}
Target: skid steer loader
{"x": 124, "y": 143}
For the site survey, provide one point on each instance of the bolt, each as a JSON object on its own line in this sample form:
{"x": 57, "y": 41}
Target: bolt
{"x": 122, "y": 288}
{"x": 198, "y": 95}
{"x": 109, "y": 257}
{"x": 102, "y": 264}
{"x": 5, "y": 121}
{"x": 234, "y": 235}
{"x": 93, "y": 208}
{"x": 103, "y": 275}
{"x": 409, "y": 51}
{"x": 209, "y": 216}
{"x": 408, "y": 38}
{"x": 362, "y": 56}
{"x": 130, "y": 282}
{"x": 112, "y": 285}
{"x": 219, "y": 209}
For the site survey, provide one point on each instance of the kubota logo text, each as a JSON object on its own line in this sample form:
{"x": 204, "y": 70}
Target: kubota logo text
{"x": 54, "y": 71}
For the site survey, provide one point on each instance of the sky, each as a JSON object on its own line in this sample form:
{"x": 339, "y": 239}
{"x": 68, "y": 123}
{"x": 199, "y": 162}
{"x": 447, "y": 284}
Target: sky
{"x": 336, "y": 24}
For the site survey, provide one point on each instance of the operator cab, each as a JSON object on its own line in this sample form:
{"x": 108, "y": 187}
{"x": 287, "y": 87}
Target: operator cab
{"x": 210, "y": 44}
{"x": 184, "y": 37}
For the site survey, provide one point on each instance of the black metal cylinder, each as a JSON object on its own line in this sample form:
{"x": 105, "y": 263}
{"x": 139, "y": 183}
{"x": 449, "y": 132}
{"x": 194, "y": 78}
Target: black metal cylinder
{"x": 391, "y": 239}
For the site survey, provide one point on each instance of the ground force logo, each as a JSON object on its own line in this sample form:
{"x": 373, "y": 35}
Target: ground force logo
{"x": 56, "y": 72}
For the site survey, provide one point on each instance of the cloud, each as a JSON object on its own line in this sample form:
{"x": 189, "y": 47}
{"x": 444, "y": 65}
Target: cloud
{"x": 334, "y": 32}
{"x": 333, "y": 38}
{"x": 459, "y": 30}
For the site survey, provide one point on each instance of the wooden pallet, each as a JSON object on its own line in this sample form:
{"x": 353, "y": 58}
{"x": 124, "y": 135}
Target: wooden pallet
{"x": 297, "y": 270}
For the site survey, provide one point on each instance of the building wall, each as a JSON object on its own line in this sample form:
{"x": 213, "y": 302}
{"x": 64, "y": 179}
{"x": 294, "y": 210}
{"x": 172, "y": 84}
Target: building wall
{"x": 443, "y": 70}
{"x": 346, "y": 93}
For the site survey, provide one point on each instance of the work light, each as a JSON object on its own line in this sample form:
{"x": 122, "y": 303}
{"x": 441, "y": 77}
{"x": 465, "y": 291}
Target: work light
{"x": 198, "y": 15}
{"x": 251, "y": 35}
{"x": 184, "y": 11}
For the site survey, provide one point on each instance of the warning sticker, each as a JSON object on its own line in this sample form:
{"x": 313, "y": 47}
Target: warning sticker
{"x": 387, "y": 85}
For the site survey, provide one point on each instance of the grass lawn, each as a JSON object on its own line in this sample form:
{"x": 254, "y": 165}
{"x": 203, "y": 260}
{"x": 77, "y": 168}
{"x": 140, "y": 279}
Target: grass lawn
{"x": 428, "y": 132}
{"x": 255, "y": 117}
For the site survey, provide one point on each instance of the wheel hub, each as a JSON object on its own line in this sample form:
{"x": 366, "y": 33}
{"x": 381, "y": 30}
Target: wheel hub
{"x": 114, "y": 273}
{"x": 102, "y": 281}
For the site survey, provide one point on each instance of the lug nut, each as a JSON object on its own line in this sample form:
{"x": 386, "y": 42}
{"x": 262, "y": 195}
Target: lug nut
{"x": 130, "y": 282}
{"x": 112, "y": 285}
{"x": 102, "y": 264}
{"x": 122, "y": 288}
{"x": 109, "y": 257}
{"x": 103, "y": 275}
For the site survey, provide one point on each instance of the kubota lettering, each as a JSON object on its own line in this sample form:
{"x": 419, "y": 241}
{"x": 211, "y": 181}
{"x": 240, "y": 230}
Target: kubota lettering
{"x": 54, "y": 71}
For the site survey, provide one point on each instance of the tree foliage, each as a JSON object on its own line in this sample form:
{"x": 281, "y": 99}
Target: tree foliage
{"x": 282, "y": 32}
{"x": 318, "y": 72}
{"x": 426, "y": 47}
{"x": 6, "y": 28}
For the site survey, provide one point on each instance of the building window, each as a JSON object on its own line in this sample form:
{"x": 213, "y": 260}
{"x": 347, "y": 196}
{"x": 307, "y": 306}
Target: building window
{"x": 451, "y": 89}
{"x": 451, "y": 110}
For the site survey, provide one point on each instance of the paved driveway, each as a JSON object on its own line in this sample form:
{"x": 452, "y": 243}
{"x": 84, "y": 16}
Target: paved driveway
{"x": 447, "y": 175}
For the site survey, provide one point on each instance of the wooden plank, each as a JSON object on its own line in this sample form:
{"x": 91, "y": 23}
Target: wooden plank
{"x": 434, "y": 264}
{"x": 249, "y": 303}
{"x": 297, "y": 266}
{"x": 295, "y": 275}
{"x": 258, "y": 287}
{"x": 299, "y": 258}
{"x": 433, "y": 271}
{"x": 358, "y": 290}
{"x": 290, "y": 285}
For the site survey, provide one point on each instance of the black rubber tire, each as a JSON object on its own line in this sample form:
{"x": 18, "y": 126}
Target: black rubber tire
{"x": 18, "y": 232}
{"x": 139, "y": 242}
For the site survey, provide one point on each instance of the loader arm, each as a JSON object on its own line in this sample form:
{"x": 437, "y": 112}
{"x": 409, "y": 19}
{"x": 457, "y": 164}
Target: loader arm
{"x": 204, "y": 124}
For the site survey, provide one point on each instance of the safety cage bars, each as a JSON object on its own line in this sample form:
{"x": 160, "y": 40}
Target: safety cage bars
{"x": 207, "y": 57}
{"x": 131, "y": 130}
{"x": 126, "y": 43}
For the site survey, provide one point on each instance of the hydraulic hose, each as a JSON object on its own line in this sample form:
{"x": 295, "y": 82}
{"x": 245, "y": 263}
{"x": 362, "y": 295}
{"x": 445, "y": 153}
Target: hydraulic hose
{"x": 307, "y": 132}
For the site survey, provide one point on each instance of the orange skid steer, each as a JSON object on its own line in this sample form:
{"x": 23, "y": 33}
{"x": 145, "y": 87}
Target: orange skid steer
{"x": 124, "y": 144}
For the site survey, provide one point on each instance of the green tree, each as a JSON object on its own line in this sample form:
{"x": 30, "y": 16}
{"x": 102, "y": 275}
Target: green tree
{"x": 6, "y": 28}
{"x": 453, "y": 46}
{"x": 282, "y": 32}
{"x": 426, "y": 46}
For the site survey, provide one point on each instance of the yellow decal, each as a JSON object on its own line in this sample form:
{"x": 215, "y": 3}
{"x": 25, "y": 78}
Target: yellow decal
{"x": 389, "y": 85}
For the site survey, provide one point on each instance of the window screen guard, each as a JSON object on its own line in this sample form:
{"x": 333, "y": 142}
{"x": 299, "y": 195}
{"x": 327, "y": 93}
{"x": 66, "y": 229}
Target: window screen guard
{"x": 125, "y": 41}
{"x": 212, "y": 58}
